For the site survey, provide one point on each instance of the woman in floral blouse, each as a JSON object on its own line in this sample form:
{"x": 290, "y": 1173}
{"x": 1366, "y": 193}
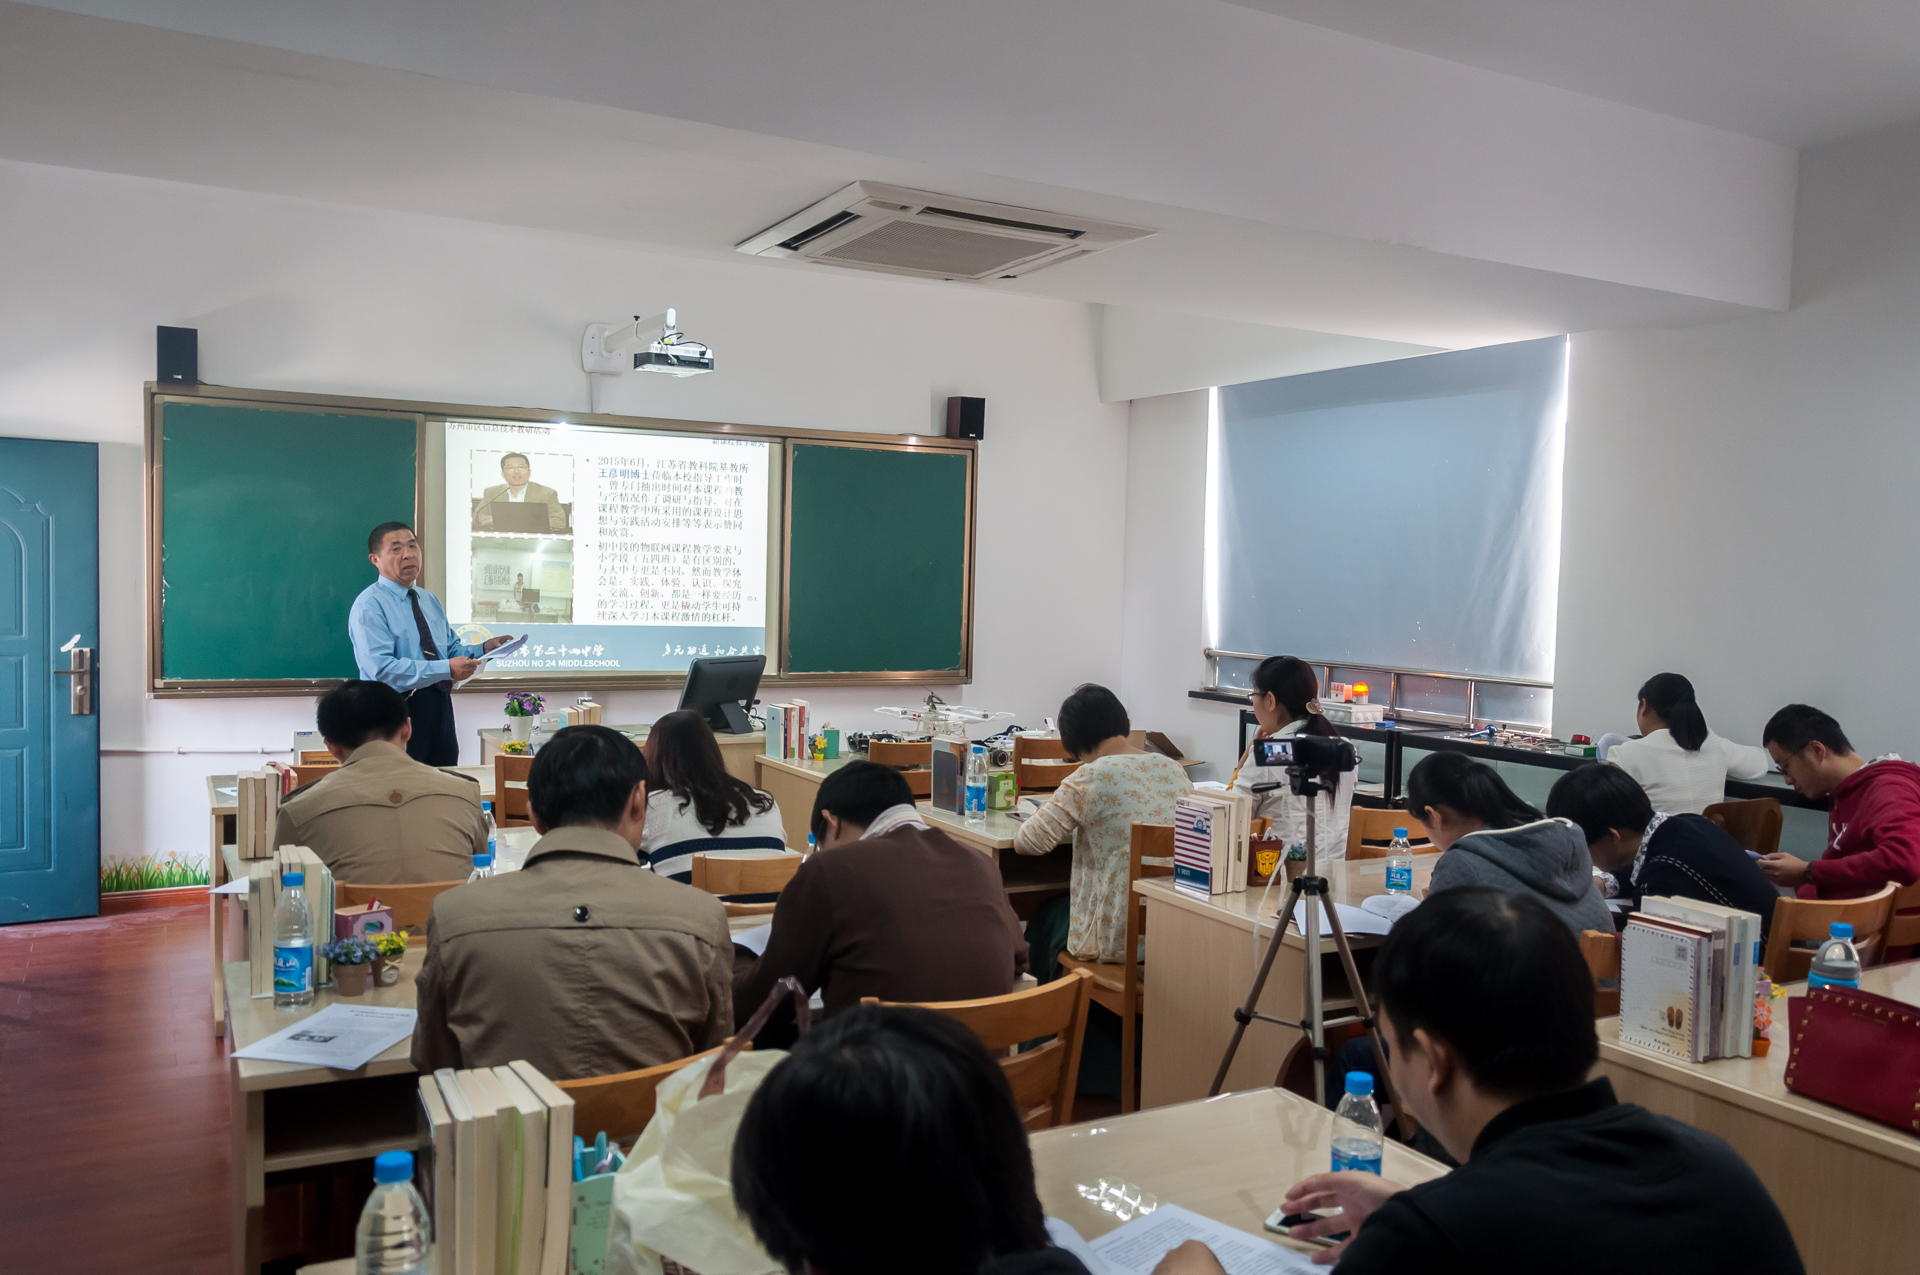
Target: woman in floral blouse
{"x": 1116, "y": 786}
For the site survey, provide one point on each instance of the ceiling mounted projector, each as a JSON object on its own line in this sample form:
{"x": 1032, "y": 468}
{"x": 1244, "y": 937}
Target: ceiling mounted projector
{"x": 669, "y": 351}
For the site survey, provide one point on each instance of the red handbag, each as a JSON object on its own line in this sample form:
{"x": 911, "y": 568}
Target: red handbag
{"x": 1858, "y": 1051}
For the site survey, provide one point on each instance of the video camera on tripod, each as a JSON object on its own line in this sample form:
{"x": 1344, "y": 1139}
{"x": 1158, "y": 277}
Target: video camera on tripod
{"x": 1314, "y": 763}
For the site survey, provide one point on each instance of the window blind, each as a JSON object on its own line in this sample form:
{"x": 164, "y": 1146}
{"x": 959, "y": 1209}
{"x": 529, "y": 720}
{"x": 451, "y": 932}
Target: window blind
{"x": 1402, "y": 514}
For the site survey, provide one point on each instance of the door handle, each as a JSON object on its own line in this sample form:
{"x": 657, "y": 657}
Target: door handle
{"x": 80, "y": 669}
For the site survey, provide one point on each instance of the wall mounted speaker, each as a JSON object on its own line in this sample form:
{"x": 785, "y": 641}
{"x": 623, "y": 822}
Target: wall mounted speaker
{"x": 966, "y": 417}
{"x": 179, "y": 355}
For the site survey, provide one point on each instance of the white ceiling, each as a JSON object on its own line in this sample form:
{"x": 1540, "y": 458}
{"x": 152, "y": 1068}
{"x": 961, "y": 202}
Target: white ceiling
{"x": 1798, "y": 72}
{"x": 1398, "y": 198}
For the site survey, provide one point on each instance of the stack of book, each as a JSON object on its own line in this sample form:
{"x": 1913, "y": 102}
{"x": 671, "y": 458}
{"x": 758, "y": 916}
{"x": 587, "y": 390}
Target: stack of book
{"x": 787, "y": 730}
{"x": 1211, "y": 829}
{"x": 1687, "y": 973}
{"x": 257, "y": 801}
{"x": 263, "y": 896}
{"x": 496, "y": 1170}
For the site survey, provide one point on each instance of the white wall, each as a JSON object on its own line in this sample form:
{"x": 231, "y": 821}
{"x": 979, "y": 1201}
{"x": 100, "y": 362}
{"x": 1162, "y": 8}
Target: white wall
{"x": 1163, "y": 618}
{"x": 305, "y": 296}
{"x": 1740, "y": 497}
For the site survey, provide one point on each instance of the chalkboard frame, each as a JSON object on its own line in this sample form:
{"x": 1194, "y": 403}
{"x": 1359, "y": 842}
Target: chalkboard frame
{"x": 425, "y": 413}
{"x": 909, "y": 443}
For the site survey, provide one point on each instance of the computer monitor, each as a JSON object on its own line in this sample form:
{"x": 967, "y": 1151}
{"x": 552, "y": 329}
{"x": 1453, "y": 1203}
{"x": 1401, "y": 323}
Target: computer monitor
{"x": 721, "y": 690}
{"x": 529, "y": 599}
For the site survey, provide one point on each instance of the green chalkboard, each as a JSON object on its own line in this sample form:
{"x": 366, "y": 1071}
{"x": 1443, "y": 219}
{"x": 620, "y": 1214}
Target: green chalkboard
{"x": 264, "y": 516}
{"x": 877, "y": 571}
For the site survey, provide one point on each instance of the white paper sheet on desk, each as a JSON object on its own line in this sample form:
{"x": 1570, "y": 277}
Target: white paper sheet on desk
{"x": 507, "y": 648}
{"x": 238, "y": 885}
{"x": 1137, "y": 1247}
{"x": 755, "y": 940}
{"x": 1352, "y": 920}
{"x": 343, "y": 1037}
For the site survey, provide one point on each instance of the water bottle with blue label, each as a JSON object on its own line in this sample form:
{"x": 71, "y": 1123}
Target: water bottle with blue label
{"x": 977, "y": 786}
{"x": 1400, "y": 864}
{"x": 1357, "y": 1139}
{"x": 486, "y": 812}
{"x": 292, "y": 945}
{"x": 1836, "y": 964}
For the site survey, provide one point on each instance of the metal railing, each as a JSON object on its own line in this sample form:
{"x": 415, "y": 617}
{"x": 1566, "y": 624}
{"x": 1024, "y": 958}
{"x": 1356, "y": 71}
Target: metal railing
{"x": 1393, "y": 675}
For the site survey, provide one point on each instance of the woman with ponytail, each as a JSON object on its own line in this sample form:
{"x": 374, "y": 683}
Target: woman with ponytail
{"x": 1682, "y": 765}
{"x": 1488, "y": 836}
{"x": 1286, "y": 699}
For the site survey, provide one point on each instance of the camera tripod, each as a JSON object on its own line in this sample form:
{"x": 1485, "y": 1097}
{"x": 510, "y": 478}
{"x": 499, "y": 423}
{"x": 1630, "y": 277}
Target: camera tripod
{"x": 1311, "y": 886}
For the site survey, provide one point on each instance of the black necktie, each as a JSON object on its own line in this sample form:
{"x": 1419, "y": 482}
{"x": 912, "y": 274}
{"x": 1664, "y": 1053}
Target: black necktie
{"x": 427, "y": 649}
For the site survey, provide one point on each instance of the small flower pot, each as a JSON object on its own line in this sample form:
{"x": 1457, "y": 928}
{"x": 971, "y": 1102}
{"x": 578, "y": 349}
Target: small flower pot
{"x": 351, "y": 980}
{"x": 386, "y": 971}
{"x": 1295, "y": 867}
{"x": 519, "y": 728}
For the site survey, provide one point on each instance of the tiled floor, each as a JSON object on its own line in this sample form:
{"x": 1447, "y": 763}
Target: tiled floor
{"x": 113, "y": 1098}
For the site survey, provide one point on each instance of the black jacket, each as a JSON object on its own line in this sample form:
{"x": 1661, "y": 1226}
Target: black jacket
{"x": 1692, "y": 857}
{"x": 1576, "y": 1183}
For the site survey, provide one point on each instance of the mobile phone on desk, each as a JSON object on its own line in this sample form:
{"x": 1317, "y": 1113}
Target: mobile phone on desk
{"x": 1279, "y": 1222}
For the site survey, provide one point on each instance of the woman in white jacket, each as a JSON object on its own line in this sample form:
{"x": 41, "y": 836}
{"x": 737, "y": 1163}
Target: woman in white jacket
{"x": 1286, "y": 700}
{"x": 1682, "y": 765}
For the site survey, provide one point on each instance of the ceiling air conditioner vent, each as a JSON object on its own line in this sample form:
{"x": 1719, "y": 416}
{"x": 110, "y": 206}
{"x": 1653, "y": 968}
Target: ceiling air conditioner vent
{"x": 891, "y": 229}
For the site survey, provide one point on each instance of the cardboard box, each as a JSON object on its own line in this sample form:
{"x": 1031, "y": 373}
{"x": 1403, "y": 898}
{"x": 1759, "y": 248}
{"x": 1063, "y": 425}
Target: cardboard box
{"x": 363, "y": 922}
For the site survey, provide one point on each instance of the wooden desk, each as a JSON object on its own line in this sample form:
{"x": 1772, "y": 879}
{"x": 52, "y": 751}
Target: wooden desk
{"x": 1846, "y": 1185}
{"x": 738, "y": 751}
{"x": 1200, "y": 966}
{"x": 1230, "y": 1159}
{"x": 290, "y": 1116}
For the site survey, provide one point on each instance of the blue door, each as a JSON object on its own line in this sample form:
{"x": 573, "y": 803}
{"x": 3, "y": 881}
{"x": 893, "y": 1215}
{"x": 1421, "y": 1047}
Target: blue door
{"x": 49, "y": 633}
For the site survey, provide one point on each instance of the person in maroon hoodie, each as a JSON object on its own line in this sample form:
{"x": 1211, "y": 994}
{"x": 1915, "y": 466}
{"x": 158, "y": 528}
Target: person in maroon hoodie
{"x": 1873, "y": 827}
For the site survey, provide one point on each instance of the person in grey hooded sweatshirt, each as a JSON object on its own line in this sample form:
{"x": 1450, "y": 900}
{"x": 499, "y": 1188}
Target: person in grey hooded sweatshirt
{"x": 1490, "y": 837}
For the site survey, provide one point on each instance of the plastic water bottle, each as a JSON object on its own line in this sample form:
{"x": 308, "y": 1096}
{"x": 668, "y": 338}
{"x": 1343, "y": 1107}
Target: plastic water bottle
{"x": 1356, "y": 1128}
{"x": 395, "y": 1235}
{"x": 486, "y": 811}
{"x": 292, "y": 944}
{"x": 1399, "y": 864}
{"x": 482, "y": 867}
{"x": 1836, "y": 964}
{"x": 977, "y": 786}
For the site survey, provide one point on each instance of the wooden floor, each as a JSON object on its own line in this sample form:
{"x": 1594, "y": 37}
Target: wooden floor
{"x": 113, "y": 1098}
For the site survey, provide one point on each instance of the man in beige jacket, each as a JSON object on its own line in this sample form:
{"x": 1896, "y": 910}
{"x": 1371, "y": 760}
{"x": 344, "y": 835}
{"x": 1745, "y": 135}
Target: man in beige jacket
{"x": 583, "y": 963}
{"x": 382, "y": 818}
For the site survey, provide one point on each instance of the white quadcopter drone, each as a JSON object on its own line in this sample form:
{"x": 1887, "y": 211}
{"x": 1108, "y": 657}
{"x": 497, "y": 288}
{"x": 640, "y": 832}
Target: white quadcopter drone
{"x": 942, "y": 718}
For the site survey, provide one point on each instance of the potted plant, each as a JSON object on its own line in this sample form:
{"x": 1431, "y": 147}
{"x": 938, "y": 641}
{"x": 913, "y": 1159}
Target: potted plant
{"x": 352, "y": 961}
{"x": 1296, "y": 860}
{"x": 390, "y": 949}
{"x": 522, "y": 708}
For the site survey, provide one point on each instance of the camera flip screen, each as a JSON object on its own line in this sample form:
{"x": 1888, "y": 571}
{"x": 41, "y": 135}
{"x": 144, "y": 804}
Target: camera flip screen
{"x": 1273, "y": 752}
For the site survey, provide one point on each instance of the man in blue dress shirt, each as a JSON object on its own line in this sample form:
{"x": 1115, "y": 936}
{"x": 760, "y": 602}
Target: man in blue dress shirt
{"x": 401, "y": 637}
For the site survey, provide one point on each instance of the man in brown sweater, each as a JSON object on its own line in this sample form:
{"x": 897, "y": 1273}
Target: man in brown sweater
{"x": 888, "y": 907}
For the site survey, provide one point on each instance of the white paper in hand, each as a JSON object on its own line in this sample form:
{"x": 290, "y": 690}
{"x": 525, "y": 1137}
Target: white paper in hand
{"x": 507, "y": 648}
{"x": 1137, "y": 1247}
{"x": 343, "y": 1037}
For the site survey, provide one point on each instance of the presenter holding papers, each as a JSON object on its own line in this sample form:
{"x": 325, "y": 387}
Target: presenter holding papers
{"x": 401, "y": 637}
{"x": 518, "y": 489}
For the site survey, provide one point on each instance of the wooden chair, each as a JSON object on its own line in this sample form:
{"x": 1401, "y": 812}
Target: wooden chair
{"x": 767, "y": 874}
{"x": 411, "y": 904}
{"x": 511, "y": 806}
{"x": 1370, "y": 832}
{"x": 913, "y": 759}
{"x": 1602, "y": 950}
{"x": 306, "y": 773}
{"x": 1806, "y": 920}
{"x": 1039, "y": 763}
{"x": 1754, "y": 824}
{"x": 1043, "y": 1078}
{"x": 1118, "y": 986}
{"x": 621, "y": 1105}
{"x": 1903, "y": 926}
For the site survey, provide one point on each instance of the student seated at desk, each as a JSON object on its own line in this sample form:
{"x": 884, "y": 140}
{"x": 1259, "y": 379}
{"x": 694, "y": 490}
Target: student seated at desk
{"x": 695, "y": 807}
{"x": 382, "y": 818}
{"x": 1676, "y": 856}
{"x": 1117, "y": 785}
{"x": 888, "y": 1141}
{"x": 887, "y": 907}
{"x": 579, "y": 962}
{"x": 1873, "y": 826}
{"x": 1286, "y": 701}
{"x": 1487, "y": 1010}
{"x": 1488, "y": 836}
{"x": 1682, "y": 765}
